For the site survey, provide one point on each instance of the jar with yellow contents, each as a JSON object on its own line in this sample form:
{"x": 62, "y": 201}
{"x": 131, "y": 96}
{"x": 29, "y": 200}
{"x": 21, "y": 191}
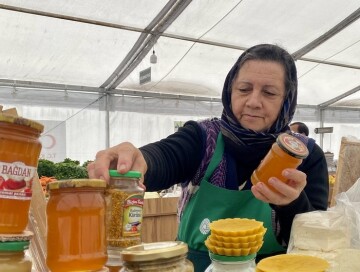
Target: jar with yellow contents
{"x": 76, "y": 237}
{"x": 287, "y": 152}
{"x": 155, "y": 257}
{"x": 124, "y": 207}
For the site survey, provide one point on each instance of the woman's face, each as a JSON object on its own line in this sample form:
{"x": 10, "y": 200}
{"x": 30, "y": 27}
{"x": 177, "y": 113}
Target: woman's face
{"x": 258, "y": 93}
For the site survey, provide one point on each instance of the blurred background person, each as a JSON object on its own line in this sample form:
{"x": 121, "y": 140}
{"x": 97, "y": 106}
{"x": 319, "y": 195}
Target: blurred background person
{"x": 299, "y": 127}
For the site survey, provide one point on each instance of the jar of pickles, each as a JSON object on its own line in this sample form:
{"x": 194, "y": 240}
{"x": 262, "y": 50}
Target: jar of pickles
{"x": 124, "y": 207}
{"x": 160, "y": 256}
{"x": 19, "y": 153}
{"x": 76, "y": 237}
{"x": 287, "y": 152}
{"x": 12, "y": 252}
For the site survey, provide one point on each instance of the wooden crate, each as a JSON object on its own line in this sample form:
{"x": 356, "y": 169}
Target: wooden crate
{"x": 159, "y": 219}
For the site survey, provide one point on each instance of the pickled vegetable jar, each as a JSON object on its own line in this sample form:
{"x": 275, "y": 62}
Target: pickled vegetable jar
{"x": 287, "y": 152}
{"x": 12, "y": 255}
{"x": 160, "y": 256}
{"x": 19, "y": 153}
{"x": 76, "y": 237}
{"x": 124, "y": 213}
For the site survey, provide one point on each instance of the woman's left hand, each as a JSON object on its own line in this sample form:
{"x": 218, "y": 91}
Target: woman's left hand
{"x": 285, "y": 192}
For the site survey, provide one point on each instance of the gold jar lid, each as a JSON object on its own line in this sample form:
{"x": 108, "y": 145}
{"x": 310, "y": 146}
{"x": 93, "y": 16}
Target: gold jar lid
{"x": 292, "y": 145}
{"x": 17, "y": 120}
{"x": 76, "y": 183}
{"x": 154, "y": 251}
{"x": 13, "y": 237}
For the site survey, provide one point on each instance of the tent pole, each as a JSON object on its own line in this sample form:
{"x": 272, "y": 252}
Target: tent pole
{"x": 107, "y": 121}
{"x": 321, "y": 113}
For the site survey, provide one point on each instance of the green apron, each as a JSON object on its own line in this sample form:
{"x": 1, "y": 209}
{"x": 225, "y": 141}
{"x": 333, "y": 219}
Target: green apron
{"x": 211, "y": 203}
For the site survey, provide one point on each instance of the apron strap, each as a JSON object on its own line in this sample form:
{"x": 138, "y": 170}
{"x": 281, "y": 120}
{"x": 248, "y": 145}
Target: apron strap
{"x": 216, "y": 157}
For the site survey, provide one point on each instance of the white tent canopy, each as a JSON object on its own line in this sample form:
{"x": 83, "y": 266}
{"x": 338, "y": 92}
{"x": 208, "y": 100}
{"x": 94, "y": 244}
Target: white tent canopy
{"x": 59, "y": 57}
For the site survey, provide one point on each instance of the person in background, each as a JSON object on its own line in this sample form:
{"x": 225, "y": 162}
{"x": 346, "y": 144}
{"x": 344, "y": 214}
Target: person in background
{"x": 214, "y": 158}
{"x": 299, "y": 127}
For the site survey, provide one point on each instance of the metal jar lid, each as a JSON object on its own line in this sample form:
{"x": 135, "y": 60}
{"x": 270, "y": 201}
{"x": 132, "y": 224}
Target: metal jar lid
{"x": 17, "y": 120}
{"x": 292, "y": 145}
{"x": 76, "y": 183}
{"x": 154, "y": 251}
{"x": 16, "y": 237}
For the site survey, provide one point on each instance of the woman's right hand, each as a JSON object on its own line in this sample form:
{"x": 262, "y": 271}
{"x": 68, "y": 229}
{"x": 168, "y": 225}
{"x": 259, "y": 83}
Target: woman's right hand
{"x": 122, "y": 157}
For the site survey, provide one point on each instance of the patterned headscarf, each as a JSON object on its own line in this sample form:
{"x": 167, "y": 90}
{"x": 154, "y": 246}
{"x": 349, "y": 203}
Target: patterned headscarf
{"x": 230, "y": 126}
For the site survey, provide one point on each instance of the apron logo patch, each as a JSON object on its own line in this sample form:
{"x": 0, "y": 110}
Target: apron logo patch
{"x": 205, "y": 226}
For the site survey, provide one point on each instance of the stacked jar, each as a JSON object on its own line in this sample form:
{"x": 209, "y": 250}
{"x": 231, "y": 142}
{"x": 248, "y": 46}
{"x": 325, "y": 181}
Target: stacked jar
{"x": 76, "y": 236}
{"x": 19, "y": 154}
{"x": 124, "y": 213}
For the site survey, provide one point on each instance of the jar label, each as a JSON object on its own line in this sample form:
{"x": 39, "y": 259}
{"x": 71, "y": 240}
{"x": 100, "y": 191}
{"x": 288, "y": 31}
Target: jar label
{"x": 16, "y": 180}
{"x": 294, "y": 145}
{"x": 133, "y": 208}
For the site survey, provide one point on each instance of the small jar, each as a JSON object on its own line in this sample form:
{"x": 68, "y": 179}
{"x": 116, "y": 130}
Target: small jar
{"x": 12, "y": 255}
{"x": 19, "y": 153}
{"x": 287, "y": 152}
{"x": 221, "y": 263}
{"x": 76, "y": 236}
{"x": 161, "y": 256}
{"x": 124, "y": 208}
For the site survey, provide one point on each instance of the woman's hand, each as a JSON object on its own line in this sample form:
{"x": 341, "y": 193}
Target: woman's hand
{"x": 285, "y": 192}
{"x": 123, "y": 157}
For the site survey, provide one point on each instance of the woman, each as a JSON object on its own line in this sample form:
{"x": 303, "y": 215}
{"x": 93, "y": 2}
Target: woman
{"x": 214, "y": 159}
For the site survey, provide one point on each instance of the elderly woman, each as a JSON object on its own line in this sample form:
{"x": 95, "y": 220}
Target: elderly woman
{"x": 214, "y": 159}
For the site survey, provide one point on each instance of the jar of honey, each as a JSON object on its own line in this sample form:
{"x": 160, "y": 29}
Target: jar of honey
{"x": 19, "y": 154}
{"x": 76, "y": 237}
{"x": 287, "y": 152}
{"x": 160, "y": 256}
{"x": 124, "y": 207}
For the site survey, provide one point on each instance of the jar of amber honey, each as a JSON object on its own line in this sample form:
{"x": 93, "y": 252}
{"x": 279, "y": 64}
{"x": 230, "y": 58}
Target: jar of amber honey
{"x": 76, "y": 237}
{"x": 19, "y": 154}
{"x": 287, "y": 152}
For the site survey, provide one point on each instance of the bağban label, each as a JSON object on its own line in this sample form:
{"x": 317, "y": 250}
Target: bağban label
{"x": 133, "y": 209}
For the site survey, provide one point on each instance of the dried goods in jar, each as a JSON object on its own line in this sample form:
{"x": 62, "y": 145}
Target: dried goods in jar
{"x": 124, "y": 206}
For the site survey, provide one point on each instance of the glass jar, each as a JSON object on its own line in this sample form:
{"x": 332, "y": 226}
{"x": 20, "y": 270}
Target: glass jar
{"x": 155, "y": 257}
{"x": 124, "y": 207}
{"x": 19, "y": 153}
{"x": 76, "y": 236}
{"x": 287, "y": 152}
{"x": 231, "y": 263}
{"x": 12, "y": 254}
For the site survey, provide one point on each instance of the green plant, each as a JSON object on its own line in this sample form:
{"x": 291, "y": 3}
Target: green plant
{"x": 46, "y": 168}
{"x": 67, "y": 169}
